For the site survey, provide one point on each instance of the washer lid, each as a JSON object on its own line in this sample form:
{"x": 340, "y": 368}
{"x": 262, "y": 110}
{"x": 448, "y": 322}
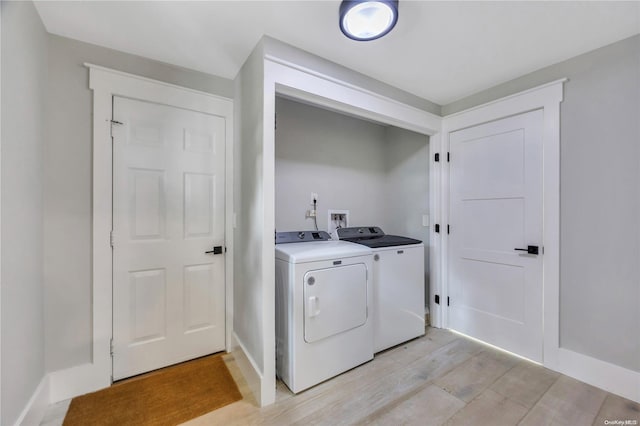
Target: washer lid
{"x": 319, "y": 250}
{"x": 384, "y": 241}
{"x": 374, "y": 237}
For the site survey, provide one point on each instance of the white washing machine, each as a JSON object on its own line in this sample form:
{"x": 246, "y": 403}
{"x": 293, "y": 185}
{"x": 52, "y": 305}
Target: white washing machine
{"x": 398, "y": 284}
{"x": 323, "y": 307}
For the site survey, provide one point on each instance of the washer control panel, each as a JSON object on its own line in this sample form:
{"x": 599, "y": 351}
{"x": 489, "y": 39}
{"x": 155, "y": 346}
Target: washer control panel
{"x": 360, "y": 232}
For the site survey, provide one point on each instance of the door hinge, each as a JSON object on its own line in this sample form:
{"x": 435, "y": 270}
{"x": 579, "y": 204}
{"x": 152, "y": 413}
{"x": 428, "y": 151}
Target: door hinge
{"x": 119, "y": 123}
{"x": 111, "y": 238}
{"x": 448, "y": 157}
{"x": 111, "y": 346}
{"x": 437, "y": 299}
{"x": 447, "y": 300}
{"x": 437, "y": 157}
{"x": 437, "y": 227}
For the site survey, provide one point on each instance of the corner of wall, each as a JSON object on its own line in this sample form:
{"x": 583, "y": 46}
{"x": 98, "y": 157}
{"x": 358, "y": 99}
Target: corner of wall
{"x": 24, "y": 67}
{"x": 248, "y": 210}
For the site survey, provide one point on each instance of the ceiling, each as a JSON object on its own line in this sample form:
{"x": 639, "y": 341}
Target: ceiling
{"x": 440, "y": 51}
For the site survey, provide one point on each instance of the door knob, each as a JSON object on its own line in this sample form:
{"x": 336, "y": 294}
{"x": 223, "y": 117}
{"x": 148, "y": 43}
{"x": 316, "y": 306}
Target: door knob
{"x": 216, "y": 250}
{"x": 529, "y": 249}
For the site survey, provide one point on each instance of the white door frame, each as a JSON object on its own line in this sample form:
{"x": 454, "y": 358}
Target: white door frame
{"x": 546, "y": 97}
{"x": 105, "y": 84}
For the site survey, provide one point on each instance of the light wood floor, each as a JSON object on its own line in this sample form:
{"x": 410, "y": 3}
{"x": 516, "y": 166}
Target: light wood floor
{"x": 440, "y": 378}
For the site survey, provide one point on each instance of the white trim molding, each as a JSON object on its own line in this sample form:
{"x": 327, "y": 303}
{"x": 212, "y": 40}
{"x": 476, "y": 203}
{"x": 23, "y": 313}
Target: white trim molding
{"x": 0, "y": 212}
{"x": 602, "y": 374}
{"x": 303, "y": 84}
{"x": 34, "y": 411}
{"x": 249, "y": 369}
{"x": 436, "y": 312}
{"x": 106, "y": 83}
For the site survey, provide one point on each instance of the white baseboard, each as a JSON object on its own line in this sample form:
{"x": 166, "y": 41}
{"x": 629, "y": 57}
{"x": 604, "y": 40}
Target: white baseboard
{"x": 607, "y": 376}
{"x": 34, "y": 410}
{"x": 76, "y": 381}
{"x": 249, "y": 369}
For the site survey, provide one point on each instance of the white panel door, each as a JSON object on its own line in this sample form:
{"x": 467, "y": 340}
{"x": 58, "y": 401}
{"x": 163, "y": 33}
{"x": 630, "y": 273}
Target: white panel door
{"x": 168, "y": 210}
{"x": 495, "y": 291}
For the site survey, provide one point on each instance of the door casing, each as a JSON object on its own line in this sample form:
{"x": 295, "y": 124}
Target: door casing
{"x": 106, "y": 83}
{"x": 548, "y": 98}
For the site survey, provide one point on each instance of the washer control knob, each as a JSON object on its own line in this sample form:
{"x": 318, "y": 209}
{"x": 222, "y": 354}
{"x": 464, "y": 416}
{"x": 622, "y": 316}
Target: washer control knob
{"x": 376, "y": 257}
{"x": 311, "y": 281}
{"x": 301, "y": 235}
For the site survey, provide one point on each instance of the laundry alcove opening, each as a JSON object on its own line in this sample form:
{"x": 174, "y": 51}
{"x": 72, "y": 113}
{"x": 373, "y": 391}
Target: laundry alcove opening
{"x": 378, "y": 172}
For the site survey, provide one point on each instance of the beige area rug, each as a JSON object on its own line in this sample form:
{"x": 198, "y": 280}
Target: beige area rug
{"x": 169, "y": 396}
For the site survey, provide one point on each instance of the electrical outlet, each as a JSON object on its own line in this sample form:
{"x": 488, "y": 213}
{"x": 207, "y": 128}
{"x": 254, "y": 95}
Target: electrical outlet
{"x": 314, "y": 196}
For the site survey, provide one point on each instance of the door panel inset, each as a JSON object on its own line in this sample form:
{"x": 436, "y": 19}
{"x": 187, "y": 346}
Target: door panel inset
{"x": 495, "y": 224}
{"x": 199, "y": 142}
{"x": 146, "y": 134}
{"x": 197, "y": 296}
{"x": 148, "y": 305}
{"x": 148, "y": 205}
{"x": 199, "y": 195}
{"x": 478, "y": 158}
{"x": 498, "y": 289}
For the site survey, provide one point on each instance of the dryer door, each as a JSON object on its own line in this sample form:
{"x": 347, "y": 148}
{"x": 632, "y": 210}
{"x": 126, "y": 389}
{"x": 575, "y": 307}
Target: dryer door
{"x": 335, "y": 301}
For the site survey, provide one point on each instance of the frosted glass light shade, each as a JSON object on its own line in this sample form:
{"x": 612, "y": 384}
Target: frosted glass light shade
{"x": 367, "y": 20}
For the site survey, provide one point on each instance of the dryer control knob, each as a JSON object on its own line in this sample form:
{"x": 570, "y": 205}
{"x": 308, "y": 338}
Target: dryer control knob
{"x": 311, "y": 281}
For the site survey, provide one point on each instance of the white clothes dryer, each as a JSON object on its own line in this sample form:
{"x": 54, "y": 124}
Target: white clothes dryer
{"x": 323, "y": 307}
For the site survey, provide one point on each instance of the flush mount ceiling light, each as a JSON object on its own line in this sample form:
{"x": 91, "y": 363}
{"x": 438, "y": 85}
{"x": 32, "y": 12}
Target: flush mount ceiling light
{"x": 364, "y": 20}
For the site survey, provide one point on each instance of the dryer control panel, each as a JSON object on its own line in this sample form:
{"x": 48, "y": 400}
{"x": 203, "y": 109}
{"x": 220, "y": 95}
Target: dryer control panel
{"x": 301, "y": 236}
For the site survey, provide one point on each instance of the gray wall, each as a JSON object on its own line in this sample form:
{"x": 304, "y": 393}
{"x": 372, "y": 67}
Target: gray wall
{"x": 599, "y": 198}
{"x": 340, "y": 158}
{"x": 67, "y": 184}
{"x": 379, "y": 173}
{"x": 248, "y": 286}
{"x": 407, "y": 188}
{"x": 24, "y": 78}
